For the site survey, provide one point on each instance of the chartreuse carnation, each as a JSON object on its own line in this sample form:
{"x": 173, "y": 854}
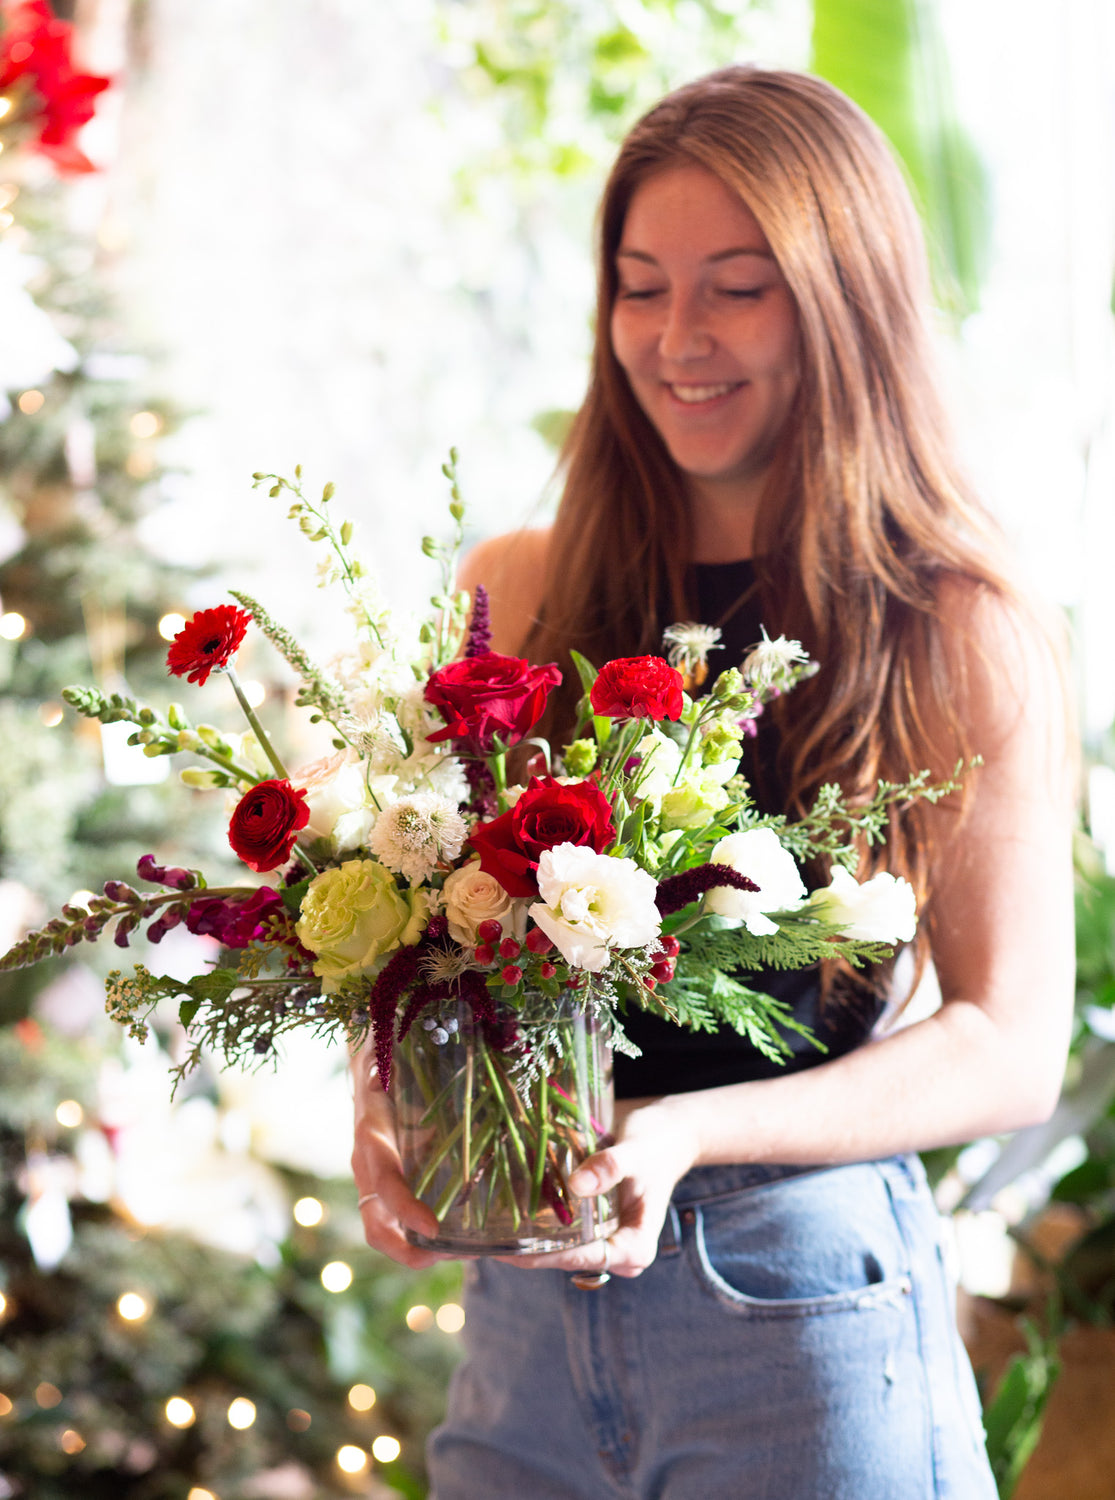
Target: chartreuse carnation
{"x": 354, "y": 914}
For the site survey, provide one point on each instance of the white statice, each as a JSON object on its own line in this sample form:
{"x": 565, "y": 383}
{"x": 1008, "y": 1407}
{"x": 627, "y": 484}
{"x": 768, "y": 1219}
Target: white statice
{"x": 880, "y": 910}
{"x": 470, "y": 896}
{"x": 758, "y": 854}
{"x": 343, "y": 802}
{"x": 770, "y": 665}
{"x": 592, "y": 903}
{"x": 417, "y": 833}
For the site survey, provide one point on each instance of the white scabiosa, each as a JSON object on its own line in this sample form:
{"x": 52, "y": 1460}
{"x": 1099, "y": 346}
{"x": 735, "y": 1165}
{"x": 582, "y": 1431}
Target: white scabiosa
{"x": 592, "y": 903}
{"x": 880, "y": 910}
{"x": 417, "y": 833}
{"x": 758, "y": 854}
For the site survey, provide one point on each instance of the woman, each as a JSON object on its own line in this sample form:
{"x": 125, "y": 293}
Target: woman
{"x": 761, "y": 443}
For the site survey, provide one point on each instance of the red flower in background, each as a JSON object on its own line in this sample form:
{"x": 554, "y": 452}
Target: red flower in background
{"x": 637, "y": 687}
{"x": 488, "y": 695}
{"x": 265, "y": 824}
{"x": 37, "y": 74}
{"x": 207, "y": 642}
{"x": 548, "y": 813}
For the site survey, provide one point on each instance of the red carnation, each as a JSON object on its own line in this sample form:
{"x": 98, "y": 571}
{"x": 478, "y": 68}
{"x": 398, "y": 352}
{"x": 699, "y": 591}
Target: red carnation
{"x": 266, "y": 823}
{"x": 207, "y": 642}
{"x": 37, "y": 69}
{"x": 547, "y": 814}
{"x": 490, "y": 695}
{"x": 637, "y": 687}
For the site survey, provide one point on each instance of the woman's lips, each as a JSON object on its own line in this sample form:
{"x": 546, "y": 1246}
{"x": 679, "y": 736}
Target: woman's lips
{"x": 702, "y": 395}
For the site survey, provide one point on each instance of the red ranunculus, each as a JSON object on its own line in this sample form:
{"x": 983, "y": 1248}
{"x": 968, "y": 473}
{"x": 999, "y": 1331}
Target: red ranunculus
{"x": 490, "y": 695}
{"x": 266, "y": 823}
{"x": 547, "y": 814}
{"x": 637, "y": 687}
{"x": 208, "y": 641}
{"x": 35, "y": 55}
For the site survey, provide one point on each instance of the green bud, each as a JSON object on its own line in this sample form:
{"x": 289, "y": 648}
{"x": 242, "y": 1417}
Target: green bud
{"x": 147, "y": 716}
{"x": 356, "y": 568}
{"x": 425, "y": 633}
{"x": 327, "y": 492}
{"x": 580, "y": 757}
{"x": 307, "y": 525}
{"x": 298, "y": 471}
{"x": 155, "y": 749}
{"x": 440, "y": 601}
{"x": 294, "y": 512}
{"x": 429, "y": 546}
{"x": 453, "y": 456}
{"x": 199, "y": 779}
{"x": 319, "y": 535}
{"x": 188, "y": 740}
{"x": 176, "y": 716}
{"x": 276, "y": 489}
{"x": 346, "y": 533}
{"x": 447, "y": 471}
{"x": 457, "y": 510}
{"x": 257, "y": 477}
{"x": 729, "y": 684}
{"x": 210, "y": 736}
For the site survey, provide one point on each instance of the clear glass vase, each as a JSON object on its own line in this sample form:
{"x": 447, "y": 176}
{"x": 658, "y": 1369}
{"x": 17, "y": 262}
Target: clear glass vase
{"x": 492, "y": 1120}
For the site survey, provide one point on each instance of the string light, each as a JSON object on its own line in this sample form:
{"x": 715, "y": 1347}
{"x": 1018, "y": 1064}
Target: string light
{"x": 336, "y": 1276}
{"x": 241, "y": 1413}
{"x": 419, "y": 1318}
{"x": 12, "y": 625}
{"x": 298, "y": 1420}
{"x": 351, "y": 1460}
{"x": 70, "y": 1114}
{"x": 50, "y": 715}
{"x": 179, "y": 1412}
{"x": 145, "y": 424}
{"x": 132, "y": 1307}
{"x": 255, "y": 692}
{"x": 71, "y": 1442}
{"x": 47, "y": 1395}
{"x": 308, "y": 1212}
{"x": 6, "y": 1407}
{"x": 385, "y": 1450}
{"x": 450, "y": 1317}
{"x": 30, "y": 402}
{"x": 361, "y": 1398}
{"x": 170, "y": 625}
{"x": 197, "y": 1493}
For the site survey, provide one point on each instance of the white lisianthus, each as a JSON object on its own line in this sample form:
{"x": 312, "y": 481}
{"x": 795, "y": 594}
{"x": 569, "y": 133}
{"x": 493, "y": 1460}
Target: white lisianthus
{"x": 470, "y": 896}
{"x": 758, "y": 854}
{"x": 880, "y": 910}
{"x": 417, "y": 833}
{"x": 594, "y": 902}
{"x": 341, "y": 809}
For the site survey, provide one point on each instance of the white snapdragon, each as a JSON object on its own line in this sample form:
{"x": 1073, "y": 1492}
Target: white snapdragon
{"x": 417, "y": 833}
{"x": 592, "y": 903}
{"x": 880, "y": 910}
{"x": 758, "y": 854}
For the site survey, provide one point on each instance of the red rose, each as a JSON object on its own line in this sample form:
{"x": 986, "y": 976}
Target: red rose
{"x": 266, "y": 823}
{"x": 547, "y": 814}
{"x": 637, "y": 687}
{"x": 208, "y": 641}
{"x": 488, "y": 695}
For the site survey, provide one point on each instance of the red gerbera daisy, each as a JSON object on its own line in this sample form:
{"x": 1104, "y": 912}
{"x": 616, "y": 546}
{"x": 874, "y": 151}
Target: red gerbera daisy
{"x": 207, "y": 642}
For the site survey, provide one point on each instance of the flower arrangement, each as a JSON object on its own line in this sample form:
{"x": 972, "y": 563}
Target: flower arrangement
{"x": 44, "y": 101}
{"x": 404, "y": 886}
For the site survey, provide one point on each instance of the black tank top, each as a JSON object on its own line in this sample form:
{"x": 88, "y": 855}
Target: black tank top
{"x": 675, "y": 1060}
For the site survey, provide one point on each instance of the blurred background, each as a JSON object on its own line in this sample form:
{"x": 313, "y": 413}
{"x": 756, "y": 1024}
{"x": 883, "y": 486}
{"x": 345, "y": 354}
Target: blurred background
{"x": 350, "y": 234}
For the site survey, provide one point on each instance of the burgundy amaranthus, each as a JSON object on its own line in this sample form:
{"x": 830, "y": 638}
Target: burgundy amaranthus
{"x": 677, "y": 891}
{"x": 480, "y": 627}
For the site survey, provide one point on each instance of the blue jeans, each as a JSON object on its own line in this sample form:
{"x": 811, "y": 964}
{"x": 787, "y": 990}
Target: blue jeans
{"x": 794, "y": 1340}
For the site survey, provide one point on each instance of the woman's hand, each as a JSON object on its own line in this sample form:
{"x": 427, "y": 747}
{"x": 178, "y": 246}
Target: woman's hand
{"x": 388, "y": 1205}
{"x": 655, "y": 1146}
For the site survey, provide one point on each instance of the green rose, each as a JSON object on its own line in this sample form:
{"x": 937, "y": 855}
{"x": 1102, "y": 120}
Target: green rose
{"x": 353, "y": 915}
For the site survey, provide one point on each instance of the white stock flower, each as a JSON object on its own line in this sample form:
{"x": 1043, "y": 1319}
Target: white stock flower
{"x": 594, "y": 902}
{"x": 770, "y": 664}
{"x": 758, "y": 854}
{"x": 470, "y": 896}
{"x": 880, "y": 910}
{"x": 416, "y": 833}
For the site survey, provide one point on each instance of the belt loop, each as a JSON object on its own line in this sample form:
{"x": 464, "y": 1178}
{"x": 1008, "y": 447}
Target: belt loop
{"x": 669, "y": 1241}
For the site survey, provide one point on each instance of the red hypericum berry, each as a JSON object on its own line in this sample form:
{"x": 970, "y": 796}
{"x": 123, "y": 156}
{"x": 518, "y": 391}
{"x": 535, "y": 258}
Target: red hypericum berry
{"x": 510, "y": 948}
{"x": 547, "y": 970}
{"x": 670, "y": 946}
{"x": 650, "y": 982}
{"x": 484, "y": 954}
{"x": 663, "y": 971}
{"x": 490, "y": 931}
{"x": 574, "y": 981}
{"x": 512, "y": 974}
{"x": 538, "y": 942}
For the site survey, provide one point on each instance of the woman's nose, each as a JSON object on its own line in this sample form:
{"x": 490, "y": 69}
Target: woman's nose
{"x": 685, "y": 334}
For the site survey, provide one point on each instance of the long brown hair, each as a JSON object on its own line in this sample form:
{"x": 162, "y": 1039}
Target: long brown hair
{"x": 864, "y": 517}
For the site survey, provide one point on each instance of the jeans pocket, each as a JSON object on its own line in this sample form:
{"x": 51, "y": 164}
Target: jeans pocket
{"x": 823, "y": 1242}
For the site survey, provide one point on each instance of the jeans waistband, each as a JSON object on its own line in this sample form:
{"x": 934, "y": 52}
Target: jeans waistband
{"x": 705, "y": 1184}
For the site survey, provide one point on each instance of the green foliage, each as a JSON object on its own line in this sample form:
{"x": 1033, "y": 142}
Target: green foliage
{"x": 1013, "y": 1418}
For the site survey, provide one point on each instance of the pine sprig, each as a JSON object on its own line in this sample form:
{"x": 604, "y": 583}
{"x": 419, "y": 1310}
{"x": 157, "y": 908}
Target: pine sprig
{"x": 317, "y": 691}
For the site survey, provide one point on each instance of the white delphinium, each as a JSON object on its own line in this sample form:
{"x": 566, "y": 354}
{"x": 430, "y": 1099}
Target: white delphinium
{"x": 770, "y": 665}
{"x": 880, "y": 910}
{"x": 592, "y": 903}
{"x": 417, "y": 833}
{"x": 758, "y": 854}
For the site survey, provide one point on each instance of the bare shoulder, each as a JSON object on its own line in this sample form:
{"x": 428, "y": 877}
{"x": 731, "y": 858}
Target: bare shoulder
{"x": 512, "y": 568}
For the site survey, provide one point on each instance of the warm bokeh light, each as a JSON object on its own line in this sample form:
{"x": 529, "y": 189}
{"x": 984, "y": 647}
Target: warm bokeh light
{"x": 419, "y": 1318}
{"x": 351, "y": 1459}
{"x": 241, "y": 1413}
{"x": 71, "y": 1442}
{"x": 255, "y": 692}
{"x": 170, "y": 625}
{"x": 6, "y": 1407}
{"x": 3, "y": 1304}
{"x": 336, "y": 1276}
{"x": 308, "y": 1212}
{"x": 31, "y": 402}
{"x": 139, "y": 465}
{"x": 451, "y": 1317}
{"x": 132, "y": 1307}
{"x": 47, "y": 1395}
{"x": 145, "y": 424}
{"x": 5, "y": 106}
{"x": 298, "y": 1420}
{"x": 197, "y": 1493}
{"x": 8, "y": 193}
{"x": 70, "y": 1114}
{"x": 179, "y": 1412}
{"x": 385, "y": 1450}
{"x": 361, "y": 1398}
{"x": 51, "y": 715}
{"x": 12, "y": 626}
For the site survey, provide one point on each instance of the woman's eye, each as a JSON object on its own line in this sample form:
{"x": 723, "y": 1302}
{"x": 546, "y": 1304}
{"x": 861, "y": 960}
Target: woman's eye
{"x": 742, "y": 293}
{"x": 637, "y": 293}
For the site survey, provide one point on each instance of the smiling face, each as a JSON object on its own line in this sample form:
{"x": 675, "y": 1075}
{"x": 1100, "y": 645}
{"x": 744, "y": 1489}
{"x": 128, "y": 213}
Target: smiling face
{"x": 706, "y": 330}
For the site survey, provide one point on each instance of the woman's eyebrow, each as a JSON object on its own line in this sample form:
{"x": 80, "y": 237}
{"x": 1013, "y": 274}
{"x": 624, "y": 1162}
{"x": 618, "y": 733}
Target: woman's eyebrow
{"x": 719, "y": 255}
